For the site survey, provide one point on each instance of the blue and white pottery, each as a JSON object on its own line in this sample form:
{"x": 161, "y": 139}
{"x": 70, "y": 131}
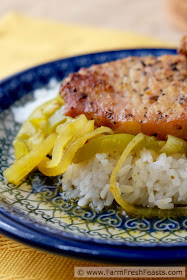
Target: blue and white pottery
{"x": 35, "y": 213}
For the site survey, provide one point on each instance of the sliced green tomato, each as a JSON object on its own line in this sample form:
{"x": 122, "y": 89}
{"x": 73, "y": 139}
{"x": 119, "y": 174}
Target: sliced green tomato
{"x": 20, "y": 149}
{"x": 66, "y": 159}
{"x": 56, "y": 119}
{"x": 40, "y": 124}
{"x": 60, "y": 100}
{"x": 114, "y": 143}
{"x": 38, "y": 119}
{"x": 50, "y": 109}
{"x": 103, "y": 144}
{"x": 150, "y": 142}
{"x": 35, "y": 140}
{"x": 133, "y": 209}
{"x": 146, "y": 212}
{"x": 38, "y": 112}
{"x": 174, "y": 145}
{"x": 21, "y": 167}
{"x": 65, "y": 135}
{"x": 26, "y": 131}
{"x": 88, "y": 132}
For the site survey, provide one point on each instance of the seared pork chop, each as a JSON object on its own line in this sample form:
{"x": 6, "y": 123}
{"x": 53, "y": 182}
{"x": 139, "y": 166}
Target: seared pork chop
{"x": 135, "y": 94}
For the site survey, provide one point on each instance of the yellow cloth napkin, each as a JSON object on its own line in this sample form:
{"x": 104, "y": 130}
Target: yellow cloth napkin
{"x": 25, "y": 42}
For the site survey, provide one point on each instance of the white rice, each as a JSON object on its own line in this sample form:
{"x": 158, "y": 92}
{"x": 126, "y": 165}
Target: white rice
{"x": 41, "y": 96}
{"x": 146, "y": 179}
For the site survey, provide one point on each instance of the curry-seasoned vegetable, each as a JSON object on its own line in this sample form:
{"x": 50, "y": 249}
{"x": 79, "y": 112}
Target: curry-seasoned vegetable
{"x": 77, "y": 140}
{"x": 174, "y": 145}
{"x": 87, "y": 132}
{"x": 35, "y": 140}
{"x": 65, "y": 134}
{"x": 39, "y": 118}
{"x": 24, "y": 165}
{"x": 114, "y": 143}
{"x": 103, "y": 144}
{"x": 56, "y": 119}
{"x": 20, "y": 149}
{"x": 134, "y": 209}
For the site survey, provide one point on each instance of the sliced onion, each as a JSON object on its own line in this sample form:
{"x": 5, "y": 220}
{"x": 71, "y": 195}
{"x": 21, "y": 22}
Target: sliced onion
{"x": 88, "y": 132}
{"x": 27, "y": 163}
{"x": 173, "y": 145}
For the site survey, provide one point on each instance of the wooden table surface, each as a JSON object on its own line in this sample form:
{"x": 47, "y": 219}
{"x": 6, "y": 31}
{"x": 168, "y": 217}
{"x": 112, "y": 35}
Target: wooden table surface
{"x": 148, "y": 17}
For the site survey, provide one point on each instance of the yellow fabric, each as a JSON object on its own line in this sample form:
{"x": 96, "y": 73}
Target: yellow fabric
{"x": 25, "y": 42}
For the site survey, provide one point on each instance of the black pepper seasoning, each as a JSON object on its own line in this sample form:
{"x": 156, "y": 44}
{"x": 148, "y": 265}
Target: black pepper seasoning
{"x": 84, "y": 96}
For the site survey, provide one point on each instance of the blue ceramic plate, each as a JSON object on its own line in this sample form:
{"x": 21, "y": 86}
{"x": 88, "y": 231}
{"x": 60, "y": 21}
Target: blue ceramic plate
{"x": 34, "y": 212}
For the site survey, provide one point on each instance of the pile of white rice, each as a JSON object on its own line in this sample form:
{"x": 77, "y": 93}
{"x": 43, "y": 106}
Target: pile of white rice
{"x": 145, "y": 179}
{"x": 40, "y": 96}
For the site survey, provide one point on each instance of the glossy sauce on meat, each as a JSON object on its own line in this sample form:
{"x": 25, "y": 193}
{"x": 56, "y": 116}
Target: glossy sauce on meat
{"x": 132, "y": 95}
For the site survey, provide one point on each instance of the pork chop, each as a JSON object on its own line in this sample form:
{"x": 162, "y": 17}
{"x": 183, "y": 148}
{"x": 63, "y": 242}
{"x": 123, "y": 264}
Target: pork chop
{"x": 135, "y": 94}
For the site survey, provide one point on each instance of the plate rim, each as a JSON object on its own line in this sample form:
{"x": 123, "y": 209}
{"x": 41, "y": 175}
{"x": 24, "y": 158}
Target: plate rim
{"x": 179, "y": 252}
{"x": 128, "y": 255}
{"x": 21, "y": 72}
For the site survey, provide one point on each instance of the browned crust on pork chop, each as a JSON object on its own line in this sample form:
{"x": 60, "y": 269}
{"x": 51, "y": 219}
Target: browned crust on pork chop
{"x": 132, "y": 95}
